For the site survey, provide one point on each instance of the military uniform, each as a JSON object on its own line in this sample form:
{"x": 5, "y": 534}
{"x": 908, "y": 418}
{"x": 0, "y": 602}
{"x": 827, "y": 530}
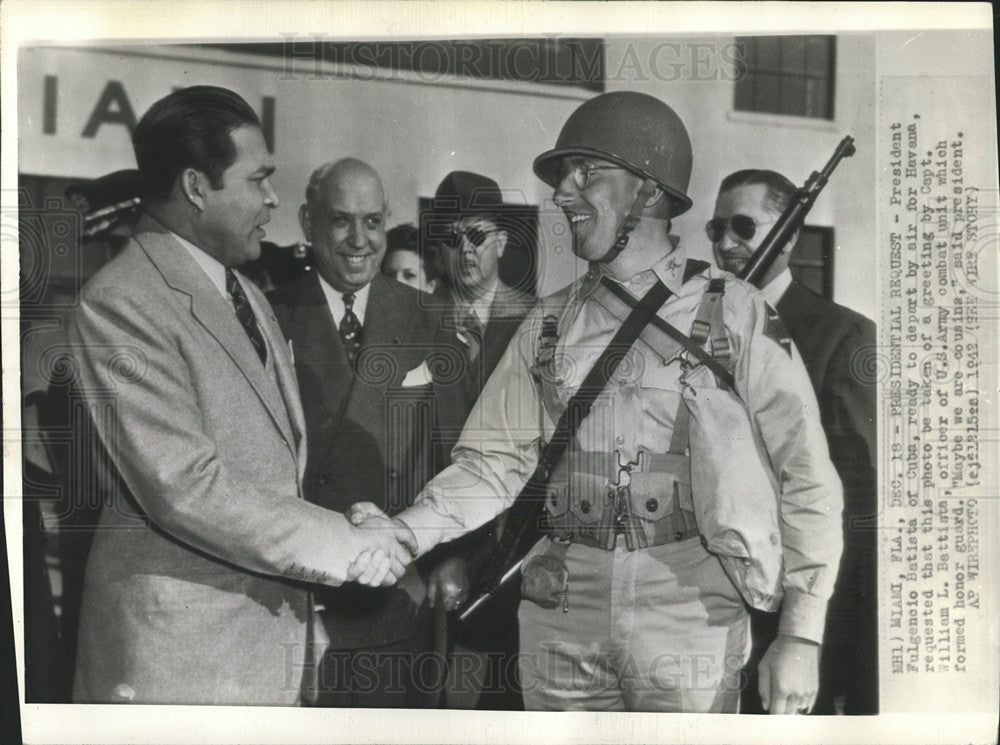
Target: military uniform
{"x": 649, "y": 619}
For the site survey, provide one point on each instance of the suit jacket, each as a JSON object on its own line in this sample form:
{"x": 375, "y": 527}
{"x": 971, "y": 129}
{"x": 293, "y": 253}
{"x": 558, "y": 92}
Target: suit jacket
{"x": 836, "y": 344}
{"x": 370, "y": 431}
{"x": 192, "y": 593}
{"x": 495, "y": 630}
{"x": 507, "y": 311}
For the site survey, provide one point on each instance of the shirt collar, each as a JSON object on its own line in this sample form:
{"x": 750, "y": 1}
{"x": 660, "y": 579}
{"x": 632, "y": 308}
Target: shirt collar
{"x": 671, "y": 270}
{"x": 214, "y": 268}
{"x": 480, "y": 305}
{"x": 774, "y": 289}
{"x": 335, "y": 300}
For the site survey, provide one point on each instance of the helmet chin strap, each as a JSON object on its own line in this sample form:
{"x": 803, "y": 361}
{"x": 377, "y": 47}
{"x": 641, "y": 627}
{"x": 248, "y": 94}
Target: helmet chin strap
{"x": 646, "y": 191}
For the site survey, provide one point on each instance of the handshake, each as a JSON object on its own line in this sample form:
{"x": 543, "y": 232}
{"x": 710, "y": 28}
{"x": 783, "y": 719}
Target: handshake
{"x": 386, "y": 546}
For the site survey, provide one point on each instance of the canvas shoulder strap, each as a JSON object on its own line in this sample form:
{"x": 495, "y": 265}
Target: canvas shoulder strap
{"x": 527, "y": 507}
{"x": 662, "y": 336}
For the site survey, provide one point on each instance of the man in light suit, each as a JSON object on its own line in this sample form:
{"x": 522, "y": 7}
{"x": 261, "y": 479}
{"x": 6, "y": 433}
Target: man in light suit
{"x": 834, "y": 342}
{"x": 196, "y": 583}
{"x": 368, "y": 351}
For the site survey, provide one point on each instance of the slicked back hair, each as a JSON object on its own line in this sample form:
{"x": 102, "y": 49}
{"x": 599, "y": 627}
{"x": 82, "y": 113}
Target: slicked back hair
{"x": 190, "y": 128}
{"x": 780, "y": 191}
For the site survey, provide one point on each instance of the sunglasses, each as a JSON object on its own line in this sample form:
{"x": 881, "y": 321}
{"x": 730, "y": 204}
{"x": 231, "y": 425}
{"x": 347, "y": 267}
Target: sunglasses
{"x": 476, "y": 236}
{"x": 743, "y": 227}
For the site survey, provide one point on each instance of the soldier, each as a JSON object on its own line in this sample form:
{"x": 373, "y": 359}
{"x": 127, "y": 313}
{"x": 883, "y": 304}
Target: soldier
{"x": 664, "y": 514}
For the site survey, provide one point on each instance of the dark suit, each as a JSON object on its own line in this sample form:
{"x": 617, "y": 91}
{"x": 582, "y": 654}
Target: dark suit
{"x": 836, "y": 345}
{"x": 508, "y": 309}
{"x": 494, "y": 631}
{"x": 369, "y": 439}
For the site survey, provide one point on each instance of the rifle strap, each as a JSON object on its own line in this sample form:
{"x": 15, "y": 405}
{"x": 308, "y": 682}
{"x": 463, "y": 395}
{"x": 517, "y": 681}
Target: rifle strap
{"x": 529, "y": 502}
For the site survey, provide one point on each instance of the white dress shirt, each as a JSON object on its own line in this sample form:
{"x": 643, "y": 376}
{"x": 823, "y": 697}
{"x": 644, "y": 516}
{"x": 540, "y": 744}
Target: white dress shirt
{"x": 480, "y": 306}
{"x": 335, "y": 301}
{"x": 211, "y": 266}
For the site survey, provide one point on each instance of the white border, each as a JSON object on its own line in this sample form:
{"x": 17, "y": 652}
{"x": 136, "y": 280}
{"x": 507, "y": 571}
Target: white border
{"x": 172, "y": 20}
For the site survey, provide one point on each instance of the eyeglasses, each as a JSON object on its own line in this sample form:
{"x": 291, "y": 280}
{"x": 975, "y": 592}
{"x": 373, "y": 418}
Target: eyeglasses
{"x": 744, "y": 227}
{"x": 476, "y": 236}
{"x": 581, "y": 173}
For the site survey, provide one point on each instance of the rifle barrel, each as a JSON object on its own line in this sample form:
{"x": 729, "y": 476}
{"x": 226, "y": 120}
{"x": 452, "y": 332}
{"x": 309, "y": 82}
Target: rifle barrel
{"x": 793, "y": 216}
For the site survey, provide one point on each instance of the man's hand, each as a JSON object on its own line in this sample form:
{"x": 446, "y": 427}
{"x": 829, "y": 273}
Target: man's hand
{"x": 449, "y": 583}
{"x": 789, "y": 675}
{"x": 388, "y": 546}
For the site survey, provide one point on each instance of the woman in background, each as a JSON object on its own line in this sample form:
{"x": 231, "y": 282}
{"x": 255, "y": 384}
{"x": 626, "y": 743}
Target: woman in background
{"x": 405, "y": 262}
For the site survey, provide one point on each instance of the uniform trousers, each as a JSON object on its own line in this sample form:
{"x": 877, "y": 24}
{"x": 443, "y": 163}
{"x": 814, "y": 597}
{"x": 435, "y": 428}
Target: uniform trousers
{"x": 656, "y": 629}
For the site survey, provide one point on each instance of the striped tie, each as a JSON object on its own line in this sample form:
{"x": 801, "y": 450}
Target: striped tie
{"x": 350, "y": 329}
{"x": 244, "y": 314}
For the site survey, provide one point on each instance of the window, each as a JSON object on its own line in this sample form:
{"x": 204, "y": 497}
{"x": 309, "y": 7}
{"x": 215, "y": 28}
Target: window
{"x": 790, "y": 75}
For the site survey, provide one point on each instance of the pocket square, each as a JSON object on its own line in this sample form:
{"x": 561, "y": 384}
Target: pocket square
{"x": 418, "y": 376}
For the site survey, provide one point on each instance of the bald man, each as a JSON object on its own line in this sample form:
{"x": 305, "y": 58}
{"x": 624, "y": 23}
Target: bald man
{"x": 363, "y": 346}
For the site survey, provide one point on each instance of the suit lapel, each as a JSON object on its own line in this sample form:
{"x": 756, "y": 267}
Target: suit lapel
{"x": 282, "y": 362}
{"x": 796, "y": 309}
{"x": 211, "y": 310}
{"x": 317, "y": 346}
{"x": 506, "y": 312}
{"x": 380, "y": 341}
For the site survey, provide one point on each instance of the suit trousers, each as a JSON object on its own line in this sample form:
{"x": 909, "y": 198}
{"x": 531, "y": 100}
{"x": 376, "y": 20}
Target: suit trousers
{"x": 399, "y": 675}
{"x": 657, "y": 629}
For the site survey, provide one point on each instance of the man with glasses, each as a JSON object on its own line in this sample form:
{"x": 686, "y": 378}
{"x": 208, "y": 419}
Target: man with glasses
{"x": 472, "y": 224}
{"x": 662, "y": 520}
{"x": 364, "y": 348}
{"x": 831, "y": 340}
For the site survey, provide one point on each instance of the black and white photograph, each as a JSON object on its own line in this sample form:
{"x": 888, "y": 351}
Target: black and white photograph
{"x": 434, "y": 371}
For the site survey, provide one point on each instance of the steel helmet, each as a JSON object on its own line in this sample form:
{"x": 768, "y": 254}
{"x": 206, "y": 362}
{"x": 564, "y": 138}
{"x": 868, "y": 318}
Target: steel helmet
{"x": 630, "y": 129}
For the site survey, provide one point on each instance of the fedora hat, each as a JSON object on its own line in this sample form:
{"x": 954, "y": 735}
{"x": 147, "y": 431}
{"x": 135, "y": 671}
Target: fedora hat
{"x": 463, "y": 193}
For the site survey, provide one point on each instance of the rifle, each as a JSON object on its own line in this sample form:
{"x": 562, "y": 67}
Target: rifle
{"x": 526, "y": 512}
{"x": 794, "y": 215}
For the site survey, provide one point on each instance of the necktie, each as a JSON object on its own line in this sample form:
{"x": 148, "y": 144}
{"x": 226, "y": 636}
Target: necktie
{"x": 473, "y": 333}
{"x": 350, "y": 329}
{"x": 244, "y": 314}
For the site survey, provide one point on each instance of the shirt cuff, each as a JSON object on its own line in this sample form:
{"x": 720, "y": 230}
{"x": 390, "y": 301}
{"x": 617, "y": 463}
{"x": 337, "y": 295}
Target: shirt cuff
{"x": 803, "y": 616}
{"x": 428, "y": 525}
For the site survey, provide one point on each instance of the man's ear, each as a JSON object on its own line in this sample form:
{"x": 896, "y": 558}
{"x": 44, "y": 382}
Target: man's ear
{"x": 305, "y": 222}
{"x": 658, "y": 194}
{"x": 502, "y": 238}
{"x": 194, "y": 185}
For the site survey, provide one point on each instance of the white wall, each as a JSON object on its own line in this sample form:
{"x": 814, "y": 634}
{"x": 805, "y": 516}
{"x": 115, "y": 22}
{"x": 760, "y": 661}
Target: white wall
{"x": 414, "y": 130}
